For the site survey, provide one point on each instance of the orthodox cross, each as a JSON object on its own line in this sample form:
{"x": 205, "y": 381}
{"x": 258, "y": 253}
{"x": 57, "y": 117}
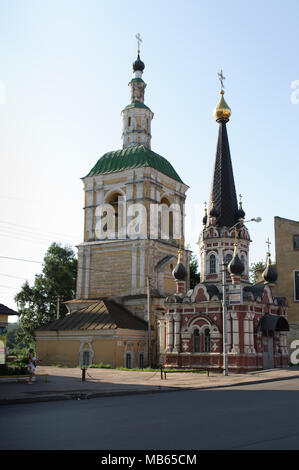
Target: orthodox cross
{"x": 139, "y": 40}
{"x": 268, "y": 243}
{"x": 240, "y": 196}
{"x": 221, "y": 78}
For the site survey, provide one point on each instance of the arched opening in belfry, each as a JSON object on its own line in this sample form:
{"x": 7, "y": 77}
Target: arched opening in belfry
{"x": 167, "y": 212}
{"x": 114, "y": 201}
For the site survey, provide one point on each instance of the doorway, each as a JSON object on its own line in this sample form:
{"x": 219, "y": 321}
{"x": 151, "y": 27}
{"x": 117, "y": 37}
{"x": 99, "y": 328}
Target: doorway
{"x": 268, "y": 353}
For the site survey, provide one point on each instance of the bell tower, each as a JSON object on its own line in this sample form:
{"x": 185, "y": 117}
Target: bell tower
{"x": 133, "y": 218}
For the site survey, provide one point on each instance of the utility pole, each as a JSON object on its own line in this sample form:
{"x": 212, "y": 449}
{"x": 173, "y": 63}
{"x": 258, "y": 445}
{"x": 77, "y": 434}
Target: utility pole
{"x": 58, "y": 307}
{"x": 224, "y": 313}
{"x": 149, "y": 320}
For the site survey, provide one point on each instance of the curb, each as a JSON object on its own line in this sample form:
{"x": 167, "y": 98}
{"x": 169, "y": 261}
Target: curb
{"x": 86, "y": 396}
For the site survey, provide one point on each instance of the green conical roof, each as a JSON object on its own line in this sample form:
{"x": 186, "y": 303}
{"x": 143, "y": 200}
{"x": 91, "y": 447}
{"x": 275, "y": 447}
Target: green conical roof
{"x": 133, "y": 157}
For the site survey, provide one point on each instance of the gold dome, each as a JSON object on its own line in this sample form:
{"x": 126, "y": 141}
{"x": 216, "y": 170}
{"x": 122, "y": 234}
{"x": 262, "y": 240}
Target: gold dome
{"x": 222, "y": 110}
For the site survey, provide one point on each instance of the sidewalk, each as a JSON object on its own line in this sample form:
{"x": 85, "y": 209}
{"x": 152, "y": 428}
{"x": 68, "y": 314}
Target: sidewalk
{"x": 66, "y": 383}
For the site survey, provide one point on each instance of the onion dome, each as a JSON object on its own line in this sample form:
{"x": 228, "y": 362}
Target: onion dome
{"x": 270, "y": 274}
{"x": 222, "y": 111}
{"x": 236, "y": 266}
{"x": 138, "y": 65}
{"x": 240, "y": 213}
{"x": 205, "y": 218}
{"x": 213, "y": 211}
{"x": 179, "y": 271}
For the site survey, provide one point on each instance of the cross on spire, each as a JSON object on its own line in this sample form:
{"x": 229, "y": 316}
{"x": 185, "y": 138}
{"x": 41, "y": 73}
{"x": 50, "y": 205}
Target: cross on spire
{"x": 221, "y": 78}
{"x": 139, "y": 40}
{"x": 268, "y": 243}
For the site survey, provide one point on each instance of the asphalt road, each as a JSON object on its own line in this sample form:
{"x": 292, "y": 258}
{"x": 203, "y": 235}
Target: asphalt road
{"x": 263, "y": 416}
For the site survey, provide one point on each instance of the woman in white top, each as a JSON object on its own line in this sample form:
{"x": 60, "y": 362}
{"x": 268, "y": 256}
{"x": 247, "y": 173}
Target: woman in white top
{"x": 31, "y": 365}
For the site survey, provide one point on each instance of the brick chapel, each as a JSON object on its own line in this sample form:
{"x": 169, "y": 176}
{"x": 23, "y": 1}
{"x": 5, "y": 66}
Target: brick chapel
{"x": 133, "y": 304}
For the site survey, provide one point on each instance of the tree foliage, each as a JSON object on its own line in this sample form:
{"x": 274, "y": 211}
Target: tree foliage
{"x": 194, "y": 274}
{"x": 37, "y": 303}
{"x": 253, "y": 270}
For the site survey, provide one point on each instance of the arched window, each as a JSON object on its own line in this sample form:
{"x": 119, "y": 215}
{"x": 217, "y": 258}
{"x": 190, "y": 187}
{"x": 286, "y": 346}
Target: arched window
{"x": 212, "y": 264}
{"x": 128, "y": 361}
{"x": 243, "y": 259}
{"x": 141, "y": 360}
{"x": 228, "y": 258}
{"x": 86, "y": 358}
{"x": 196, "y": 341}
{"x": 207, "y": 341}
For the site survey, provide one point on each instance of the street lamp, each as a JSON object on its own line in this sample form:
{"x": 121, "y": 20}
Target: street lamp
{"x": 224, "y": 308}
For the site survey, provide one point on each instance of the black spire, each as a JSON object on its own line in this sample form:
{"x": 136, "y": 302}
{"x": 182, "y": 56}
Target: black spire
{"x": 223, "y": 193}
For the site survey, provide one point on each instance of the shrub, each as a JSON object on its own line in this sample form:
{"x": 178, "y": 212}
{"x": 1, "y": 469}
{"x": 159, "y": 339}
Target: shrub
{"x": 13, "y": 370}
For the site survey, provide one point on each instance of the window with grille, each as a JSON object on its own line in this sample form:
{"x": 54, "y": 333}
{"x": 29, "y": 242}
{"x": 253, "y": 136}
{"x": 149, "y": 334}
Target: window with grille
{"x": 212, "y": 264}
{"x": 196, "y": 341}
{"x": 207, "y": 341}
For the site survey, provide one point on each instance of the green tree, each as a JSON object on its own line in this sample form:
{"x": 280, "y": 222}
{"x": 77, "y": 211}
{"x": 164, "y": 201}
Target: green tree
{"x": 253, "y": 270}
{"x": 37, "y": 303}
{"x": 194, "y": 274}
{"x": 12, "y": 337}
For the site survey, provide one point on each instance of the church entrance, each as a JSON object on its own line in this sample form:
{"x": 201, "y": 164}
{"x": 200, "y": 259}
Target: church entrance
{"x": 268, "y": 355}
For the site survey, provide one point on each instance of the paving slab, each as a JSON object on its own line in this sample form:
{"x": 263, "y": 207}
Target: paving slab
{"x": 67, "y": 384}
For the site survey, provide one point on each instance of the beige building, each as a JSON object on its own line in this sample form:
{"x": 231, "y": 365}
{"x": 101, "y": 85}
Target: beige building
{"x": 4, "y": 314}
{"x": 287, "y": 265}
{"x": 104, "y": 332}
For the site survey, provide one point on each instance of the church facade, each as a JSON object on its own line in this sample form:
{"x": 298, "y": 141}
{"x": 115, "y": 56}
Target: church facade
{"x": 225, "y": 322}
{"x": 133, "y": 305}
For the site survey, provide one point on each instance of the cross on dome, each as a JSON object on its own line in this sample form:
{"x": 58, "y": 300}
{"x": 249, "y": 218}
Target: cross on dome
{"x": 221, "y": 79}
{"x": 139, "y": 40}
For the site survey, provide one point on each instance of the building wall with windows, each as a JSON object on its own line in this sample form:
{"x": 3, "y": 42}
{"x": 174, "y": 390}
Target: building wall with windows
{"x": 287, "y": 266}
{"x": 119, "y": 348}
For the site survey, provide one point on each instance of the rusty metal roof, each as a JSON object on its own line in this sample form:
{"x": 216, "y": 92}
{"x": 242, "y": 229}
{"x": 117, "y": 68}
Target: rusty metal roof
{"x": 104, "y": 314}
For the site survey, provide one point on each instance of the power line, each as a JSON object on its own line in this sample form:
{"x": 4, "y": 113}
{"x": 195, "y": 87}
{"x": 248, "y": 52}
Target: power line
{"x": 21, "y": 259}
{"x": 15, "y": 277}
{"x": 125, "y": 273}
{"x": 34, "y": 229}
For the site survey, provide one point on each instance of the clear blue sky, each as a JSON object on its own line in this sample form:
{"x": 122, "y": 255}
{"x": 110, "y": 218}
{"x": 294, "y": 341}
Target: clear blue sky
{"x": 65, "y": 66}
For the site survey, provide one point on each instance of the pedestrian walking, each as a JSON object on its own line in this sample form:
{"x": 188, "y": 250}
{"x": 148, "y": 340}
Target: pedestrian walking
{"x": 32, "y": 365}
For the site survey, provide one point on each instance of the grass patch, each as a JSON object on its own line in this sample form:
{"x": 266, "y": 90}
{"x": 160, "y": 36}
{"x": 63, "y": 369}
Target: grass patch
{"x": 101, "y": 365}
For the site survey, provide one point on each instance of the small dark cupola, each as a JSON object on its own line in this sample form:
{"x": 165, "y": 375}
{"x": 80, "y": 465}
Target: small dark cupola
{"x": 179, "y": 272}
{"x": 240, "y": 213}
{"x": 213, "y": 211}
{"x": 236, "y": 266}
{"x": 270, "y": 274}
{"x": 205, "y": 218}
{"x": 138, "y": 65}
